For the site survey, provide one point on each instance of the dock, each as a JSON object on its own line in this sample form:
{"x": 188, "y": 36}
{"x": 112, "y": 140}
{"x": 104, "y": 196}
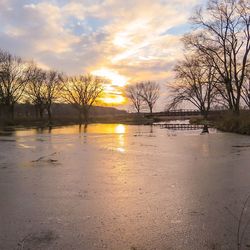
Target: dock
{"x": 181, "y": 126}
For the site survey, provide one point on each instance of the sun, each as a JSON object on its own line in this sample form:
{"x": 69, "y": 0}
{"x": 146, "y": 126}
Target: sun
{"x": 112, "y": 94}
{"x": 113, "y": 99}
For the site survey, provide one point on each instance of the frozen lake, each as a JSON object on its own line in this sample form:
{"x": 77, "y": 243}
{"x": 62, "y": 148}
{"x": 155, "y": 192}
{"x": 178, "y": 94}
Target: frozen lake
{"x": 123, "y": 187}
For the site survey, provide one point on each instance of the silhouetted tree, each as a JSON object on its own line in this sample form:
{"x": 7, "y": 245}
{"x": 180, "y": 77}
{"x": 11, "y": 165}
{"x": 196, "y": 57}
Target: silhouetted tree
{"x": 2, "y": 59}
{"x": 133, "y": 93}
{"x": 53, "y": 87}
{"x": 82, "y": 92}
{"x": 246, "y": 89}
{"x": 223, "y": 35}
{"x": 150, "y": 93}
{"x": 36, "y": 91}
{"x": 195, "y": 83}
{"x": 14, "y": 76}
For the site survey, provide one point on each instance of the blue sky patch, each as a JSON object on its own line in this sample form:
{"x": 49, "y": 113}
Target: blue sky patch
{"x": 178, "y": 30}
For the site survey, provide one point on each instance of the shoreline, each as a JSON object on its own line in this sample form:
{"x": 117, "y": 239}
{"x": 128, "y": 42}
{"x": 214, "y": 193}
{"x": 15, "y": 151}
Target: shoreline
{"x": 17, "y": 124}
{"x": 231, "y": 123}
{"x": 225, "y": 123}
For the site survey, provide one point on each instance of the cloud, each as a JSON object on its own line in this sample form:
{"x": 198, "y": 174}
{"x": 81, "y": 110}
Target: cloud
{"x": 139, "y": 39}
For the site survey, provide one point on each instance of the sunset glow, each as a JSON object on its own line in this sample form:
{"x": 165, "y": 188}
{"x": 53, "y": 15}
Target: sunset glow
{"x": 116, "y": 99}
{"x": 116, "y": 79}
{"x": 113, "y": 90}
{"x": 124, "y": 41}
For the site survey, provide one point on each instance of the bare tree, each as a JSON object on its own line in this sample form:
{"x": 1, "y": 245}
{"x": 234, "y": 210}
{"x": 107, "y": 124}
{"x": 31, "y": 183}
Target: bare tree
{"x": 2, "y": 59}
{"x": 246, "y": 89}
{"x": 14, "y": 76}
{"x": 36, "y": 90}
{"x": 133, "y": 93}
{"x": 195, "y": 83}
{"x": 150, "y": 93}
{"x": 82, "y": 92}
{"x": 223, "y": 35}
{"x": 53, "y": 88}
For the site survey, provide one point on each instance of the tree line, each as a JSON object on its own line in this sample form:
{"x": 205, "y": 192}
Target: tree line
{"x": 215, "y": 70}
{"x": 25, "y": 82}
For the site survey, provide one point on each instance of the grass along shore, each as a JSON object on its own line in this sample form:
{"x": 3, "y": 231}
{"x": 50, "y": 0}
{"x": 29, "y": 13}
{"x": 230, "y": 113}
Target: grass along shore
{"x": 236, "y": 124}
{"x": 228, "y": 122}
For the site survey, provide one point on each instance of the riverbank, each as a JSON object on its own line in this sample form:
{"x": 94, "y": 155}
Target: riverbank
{"x": 235, "y": 124}
{"x": 228, "y": 122}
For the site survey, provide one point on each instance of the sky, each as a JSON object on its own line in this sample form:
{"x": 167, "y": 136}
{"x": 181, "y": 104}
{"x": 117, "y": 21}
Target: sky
{"x": 124, "y": 40}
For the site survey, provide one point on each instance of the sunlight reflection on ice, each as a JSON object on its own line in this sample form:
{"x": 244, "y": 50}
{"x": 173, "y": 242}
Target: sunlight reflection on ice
{"x": 120, "y": 129}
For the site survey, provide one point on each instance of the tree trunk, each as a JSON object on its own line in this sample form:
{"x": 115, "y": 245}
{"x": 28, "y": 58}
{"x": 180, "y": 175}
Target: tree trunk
{"x": 80, "y": 116}
{"x": 138, "y": 109}
{"x": 12, "y": 110}
{"x": 236, "y": 109}
{"x": 1, "y": 111}
{"x": 36, "y": 111}
{"x": 205, "y": 114}
{"x": 49, "y": 113}
{"x": 86, "y": 116}
{"x": 41, "y": 112}
{"x": 151, "y": 109}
